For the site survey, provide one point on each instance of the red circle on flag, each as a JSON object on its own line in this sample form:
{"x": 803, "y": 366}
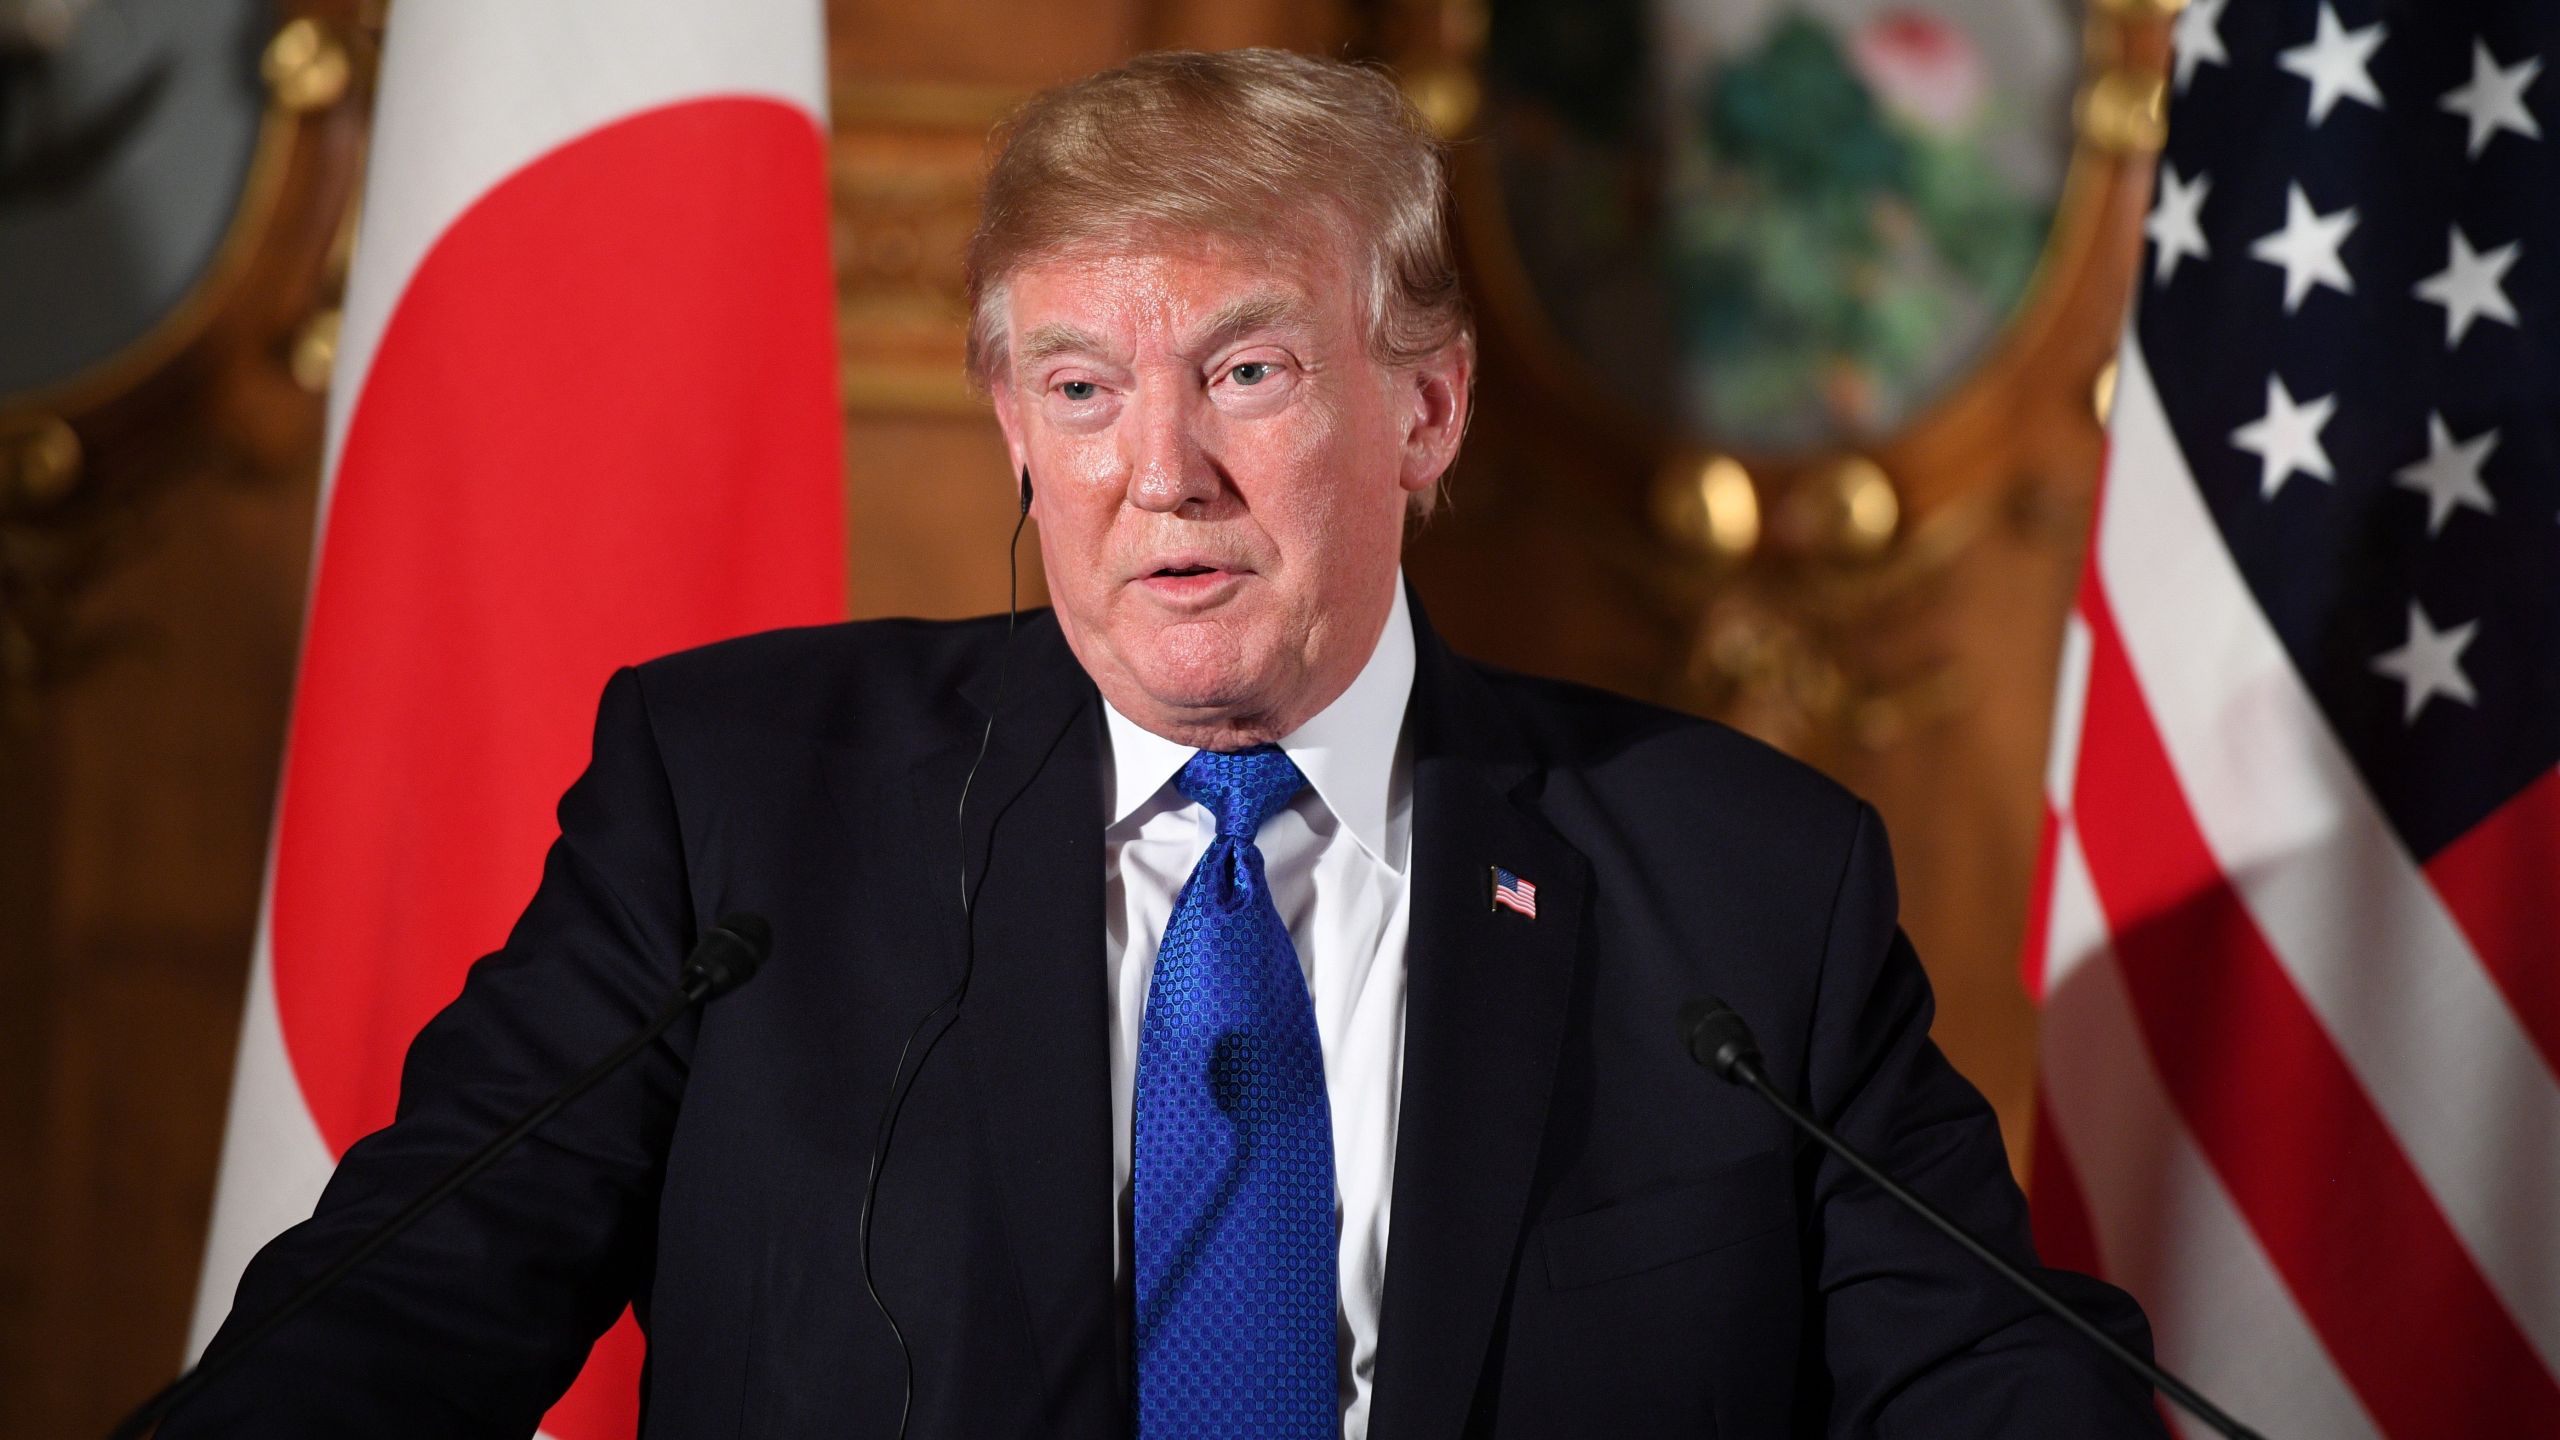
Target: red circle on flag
{"x": 601, "y": 425}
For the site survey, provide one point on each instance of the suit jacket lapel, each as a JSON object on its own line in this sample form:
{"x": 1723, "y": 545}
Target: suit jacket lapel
{"x": 1486, "y": 994}
{"x": 1034, "y": 1025}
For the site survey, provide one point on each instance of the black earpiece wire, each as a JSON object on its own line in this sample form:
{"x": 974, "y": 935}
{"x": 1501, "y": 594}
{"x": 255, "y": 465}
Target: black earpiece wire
{"x": 901, "y": 1079}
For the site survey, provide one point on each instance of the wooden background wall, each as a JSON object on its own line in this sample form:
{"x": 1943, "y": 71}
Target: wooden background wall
{"x": 153, "y": 597}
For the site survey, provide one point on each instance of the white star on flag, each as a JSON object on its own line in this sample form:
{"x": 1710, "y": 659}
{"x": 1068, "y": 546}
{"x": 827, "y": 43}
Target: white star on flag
{"x": 2494, "y": 99}
{"x": 2450, "y": 475}
{"x": 2197, "y": 38}
{"x": 2176, "y": 226}
{"x": 2471, "y": 285}
{"x": 2334, "y": 62}
{"x": 2307, "y": 248}
{"x": 2287, "y": 438}
{"x": 2429, "y": 665}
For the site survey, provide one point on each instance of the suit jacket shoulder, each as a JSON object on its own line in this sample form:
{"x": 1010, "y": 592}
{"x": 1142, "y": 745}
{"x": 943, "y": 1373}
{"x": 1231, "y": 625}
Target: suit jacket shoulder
{"x": 1705, "y": 822}
{"x": 840, "y": 682}
{"x": 1628, "y": 744}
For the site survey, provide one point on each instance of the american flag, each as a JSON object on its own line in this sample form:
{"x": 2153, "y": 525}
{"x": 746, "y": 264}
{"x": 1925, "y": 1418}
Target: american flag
{"x": 2299, "y": 946}
{"x": 1513, "y": 893}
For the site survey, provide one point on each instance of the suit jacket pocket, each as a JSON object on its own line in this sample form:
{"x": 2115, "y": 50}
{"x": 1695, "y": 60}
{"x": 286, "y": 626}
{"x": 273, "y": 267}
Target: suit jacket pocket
{"x": 1731, "y": 1205}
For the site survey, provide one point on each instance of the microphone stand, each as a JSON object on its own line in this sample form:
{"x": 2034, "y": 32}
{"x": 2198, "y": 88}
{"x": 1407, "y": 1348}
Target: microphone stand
{"x": 727, "y": 955}
{"x": 1718, "y": 1039}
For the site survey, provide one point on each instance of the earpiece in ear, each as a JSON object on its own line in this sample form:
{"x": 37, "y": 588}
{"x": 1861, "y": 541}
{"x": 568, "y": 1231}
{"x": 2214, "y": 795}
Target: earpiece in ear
{"x": 1026, "y": 490}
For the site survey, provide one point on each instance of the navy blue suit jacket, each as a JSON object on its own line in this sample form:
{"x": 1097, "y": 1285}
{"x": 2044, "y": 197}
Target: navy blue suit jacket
{"x": 1592, "y": 1236}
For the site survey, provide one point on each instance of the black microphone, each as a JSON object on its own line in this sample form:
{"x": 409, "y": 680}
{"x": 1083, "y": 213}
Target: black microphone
{"x": 1718, "y": 1039}
{"x": 726, "y": 957}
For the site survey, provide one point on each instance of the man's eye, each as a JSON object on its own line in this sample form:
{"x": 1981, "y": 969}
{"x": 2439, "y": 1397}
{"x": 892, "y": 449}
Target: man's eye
{"x": 1076, "y": 389}
{"x": 1251, "y": 372}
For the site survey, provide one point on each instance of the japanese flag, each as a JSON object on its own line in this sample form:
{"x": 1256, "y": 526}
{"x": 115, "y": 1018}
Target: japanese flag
{"x": 584, "y": 414}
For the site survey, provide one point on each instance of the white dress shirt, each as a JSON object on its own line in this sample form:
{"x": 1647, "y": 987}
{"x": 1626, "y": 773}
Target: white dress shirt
{"x": 1335, "y": 859}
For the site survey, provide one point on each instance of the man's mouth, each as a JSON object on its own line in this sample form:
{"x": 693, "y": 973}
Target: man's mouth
{"x": 1190, "y": 583}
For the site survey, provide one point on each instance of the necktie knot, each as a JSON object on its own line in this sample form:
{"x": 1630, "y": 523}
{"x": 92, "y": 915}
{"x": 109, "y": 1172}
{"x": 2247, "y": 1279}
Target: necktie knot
{"x": 1242, "y": 788}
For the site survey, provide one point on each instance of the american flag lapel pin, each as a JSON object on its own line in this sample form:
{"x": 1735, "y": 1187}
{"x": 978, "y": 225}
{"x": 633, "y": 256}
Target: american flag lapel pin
{"x": 1513, "y": 893}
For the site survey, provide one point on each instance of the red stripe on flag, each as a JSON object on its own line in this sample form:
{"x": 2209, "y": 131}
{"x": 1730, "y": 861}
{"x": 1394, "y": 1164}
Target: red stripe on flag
{"x": 2260, "y": 1085}
{"x": 2502, "y": 883}
{"x": 2034, "y": 961}
{"x": 2066, "y": 1236}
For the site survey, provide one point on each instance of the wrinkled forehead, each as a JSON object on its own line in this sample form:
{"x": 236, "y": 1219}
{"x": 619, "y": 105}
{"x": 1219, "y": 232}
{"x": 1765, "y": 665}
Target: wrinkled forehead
{"x": 1187, "y": 291}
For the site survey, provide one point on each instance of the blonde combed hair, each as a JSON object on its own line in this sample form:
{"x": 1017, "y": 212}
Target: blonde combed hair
{"x": 1246, "y": 144}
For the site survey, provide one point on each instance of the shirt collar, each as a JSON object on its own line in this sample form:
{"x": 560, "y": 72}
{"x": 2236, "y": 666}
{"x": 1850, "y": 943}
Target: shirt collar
{"x": 1347, "y": 752}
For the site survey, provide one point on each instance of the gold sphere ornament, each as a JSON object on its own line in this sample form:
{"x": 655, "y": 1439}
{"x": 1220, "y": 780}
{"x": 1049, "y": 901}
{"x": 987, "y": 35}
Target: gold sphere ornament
{"x": 305, "y": 67}
{"x": 1711, "y": 507}
{"x": 39, "y": 461}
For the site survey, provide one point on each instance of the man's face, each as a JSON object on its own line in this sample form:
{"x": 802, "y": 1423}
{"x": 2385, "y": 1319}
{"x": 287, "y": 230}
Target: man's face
{"x": 1221, "y": 474}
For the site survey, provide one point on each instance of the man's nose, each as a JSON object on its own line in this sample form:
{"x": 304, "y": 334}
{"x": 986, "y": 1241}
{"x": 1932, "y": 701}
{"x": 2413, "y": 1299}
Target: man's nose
{"x": 1169, "y": 465}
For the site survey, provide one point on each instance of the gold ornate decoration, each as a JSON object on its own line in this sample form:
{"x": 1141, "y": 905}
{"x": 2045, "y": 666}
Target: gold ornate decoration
{"x": 907, "y": 162}
{"x": 2126, "y": 112}
{"x": 39, "y": 469}
{"x": 1777, "y": 562}
{"x": 1832, "y": 650}
{"x": 1710, "y": 508}
{"x": 2142, "y": 11}
{"x": 289, "y": 64}
{"x": 1449, "y": 97}
{"x": 306, "y": 67}
{"x": 1865, "y": 510}
{"x": 39, "y": 461}
{"x": 313, "y": 357}
{"x": 57, "y": 535}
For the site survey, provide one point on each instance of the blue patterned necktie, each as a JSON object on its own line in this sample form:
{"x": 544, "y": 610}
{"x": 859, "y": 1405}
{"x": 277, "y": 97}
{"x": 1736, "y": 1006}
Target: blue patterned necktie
{"x": 1232, "y": 1175}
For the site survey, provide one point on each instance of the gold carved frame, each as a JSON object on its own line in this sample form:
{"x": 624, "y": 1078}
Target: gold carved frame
{"x": 1785, "y": 551}
{"x": 54, "y": 532}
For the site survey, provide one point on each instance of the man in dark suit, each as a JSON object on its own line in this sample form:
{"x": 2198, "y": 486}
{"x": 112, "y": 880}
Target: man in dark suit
{"x": 1271, "y": 922}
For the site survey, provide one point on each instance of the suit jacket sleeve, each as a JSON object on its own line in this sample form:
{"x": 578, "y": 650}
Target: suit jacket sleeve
{"x": 474, "y": 1321}
{"x": 1921, "y": 1339}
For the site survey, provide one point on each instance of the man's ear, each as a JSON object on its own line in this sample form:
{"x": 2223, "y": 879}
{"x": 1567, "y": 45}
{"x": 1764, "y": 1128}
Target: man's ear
{"x": 1438, "y": 393}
